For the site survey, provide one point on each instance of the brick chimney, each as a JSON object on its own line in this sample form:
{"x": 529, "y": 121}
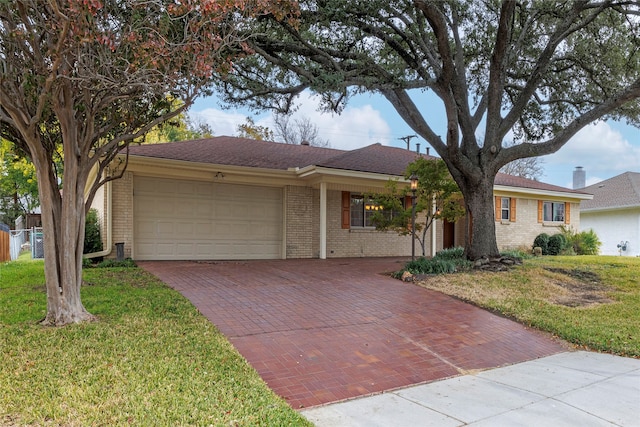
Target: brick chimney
{"x": 579, "y": 178}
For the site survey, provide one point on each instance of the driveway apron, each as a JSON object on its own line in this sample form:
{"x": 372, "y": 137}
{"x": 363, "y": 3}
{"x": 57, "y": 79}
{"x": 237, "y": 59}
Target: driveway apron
{"x": 320, "y": 331}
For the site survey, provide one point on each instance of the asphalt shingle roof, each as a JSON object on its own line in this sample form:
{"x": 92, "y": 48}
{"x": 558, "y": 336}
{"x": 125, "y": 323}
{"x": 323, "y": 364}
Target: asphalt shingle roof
{"x": 617, "y": 192}
{"x": 226, "y": 150}
{"x": 376, "y": 158}
{"x": 516, "y": 181}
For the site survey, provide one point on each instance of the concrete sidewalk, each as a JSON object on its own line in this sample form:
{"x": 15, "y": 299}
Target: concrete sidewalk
{"x": 566, "y": 389}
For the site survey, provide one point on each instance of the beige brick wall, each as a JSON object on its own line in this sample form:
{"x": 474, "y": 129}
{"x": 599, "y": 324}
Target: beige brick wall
{"x": 522, "y": 232}
{"x": 303, "y": 230}
{"x": 360, "y": 242}
{"x": 301, "y": 207}
{"x": 122, "y": 220}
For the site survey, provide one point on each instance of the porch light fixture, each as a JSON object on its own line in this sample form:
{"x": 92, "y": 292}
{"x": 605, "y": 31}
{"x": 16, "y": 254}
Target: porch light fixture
{"x": 414, "y": 183}
{"x": 373, "y": 207}
{"x": 414, "y": 187}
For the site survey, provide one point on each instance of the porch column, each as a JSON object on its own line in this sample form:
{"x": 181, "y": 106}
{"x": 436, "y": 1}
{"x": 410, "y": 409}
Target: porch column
{"x": 434, "y": 232}
{"x": 323, "y": 220}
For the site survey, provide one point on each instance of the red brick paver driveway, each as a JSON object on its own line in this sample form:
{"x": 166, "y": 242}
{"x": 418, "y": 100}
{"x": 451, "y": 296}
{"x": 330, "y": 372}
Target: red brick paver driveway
{"x": 319, "y": 331}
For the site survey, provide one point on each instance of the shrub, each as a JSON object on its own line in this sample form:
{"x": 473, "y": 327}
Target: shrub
{"x": 431, "y": 266}
{"x": 587, "y": 243}
{"x": 92, "y": 236}
{"x": 519, "y": 253}
{"x": 437, "y": 265}
{"x": 108, "y": 263}
{"x": 557, "y": 244}
{"x": 451, "y": 253}
{"x": 542, "y": 241}
{"x": 583, "y": 243}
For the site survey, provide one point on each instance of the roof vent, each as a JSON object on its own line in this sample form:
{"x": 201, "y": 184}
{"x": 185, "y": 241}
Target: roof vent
{"x": 305, "y": 142}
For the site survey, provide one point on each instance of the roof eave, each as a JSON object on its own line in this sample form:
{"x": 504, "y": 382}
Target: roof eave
{"x": 609, "y": 208}
{"x": 311, "y": 171}
{"x": 539, "y": 192}
{"x": 136, "y": 162}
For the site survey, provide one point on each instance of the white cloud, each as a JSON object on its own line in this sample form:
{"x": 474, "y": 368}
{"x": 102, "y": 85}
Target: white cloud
{"x": 600, "y": 149}
{"x": 222, "y": 122}
{"x": 356, "y": 127}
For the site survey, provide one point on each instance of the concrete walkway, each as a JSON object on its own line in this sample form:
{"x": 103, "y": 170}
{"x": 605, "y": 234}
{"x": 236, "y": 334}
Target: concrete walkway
{"x": 566, "y": 389}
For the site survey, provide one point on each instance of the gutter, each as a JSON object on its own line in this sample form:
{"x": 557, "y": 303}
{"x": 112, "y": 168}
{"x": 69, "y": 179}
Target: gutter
{"x": 108, "y": 227}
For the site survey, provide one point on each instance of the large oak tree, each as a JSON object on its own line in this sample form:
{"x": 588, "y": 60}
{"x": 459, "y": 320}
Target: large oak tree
{"x": 536, "y": 71}
{"x": 84, "y": 78}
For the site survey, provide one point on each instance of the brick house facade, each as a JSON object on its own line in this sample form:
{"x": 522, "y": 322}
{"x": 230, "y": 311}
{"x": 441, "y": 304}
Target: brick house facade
{"x": 234, "y": 198}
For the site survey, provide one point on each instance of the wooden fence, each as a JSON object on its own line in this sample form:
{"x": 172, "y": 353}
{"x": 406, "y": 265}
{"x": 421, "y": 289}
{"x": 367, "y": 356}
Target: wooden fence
{"x": 5, "y": 254}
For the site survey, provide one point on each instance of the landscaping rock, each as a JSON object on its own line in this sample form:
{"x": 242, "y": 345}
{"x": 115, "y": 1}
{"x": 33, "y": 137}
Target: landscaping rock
{"x": 407, "y": 277}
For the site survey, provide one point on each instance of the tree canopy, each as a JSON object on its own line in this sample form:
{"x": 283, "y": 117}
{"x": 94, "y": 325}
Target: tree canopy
{"x": 18, "y": 184}
{"x": 85, "y": 78}
{"x": 538, "y": 71}
{"x": 437, "y": 198}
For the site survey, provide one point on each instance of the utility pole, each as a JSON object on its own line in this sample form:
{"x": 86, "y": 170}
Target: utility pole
{"x": 407, "y": 139}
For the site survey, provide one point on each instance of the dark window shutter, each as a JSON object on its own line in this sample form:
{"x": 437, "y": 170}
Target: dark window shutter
{"x": 407, "y": 202}
{"x": 540, "y": 203}
{"x": 512, "y": 205}
{"x": 346, "y": 210}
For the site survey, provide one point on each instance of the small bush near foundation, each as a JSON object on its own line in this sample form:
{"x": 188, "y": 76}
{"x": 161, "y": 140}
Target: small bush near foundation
{"x": 520, "y": 253}
{"x": 108, "y": 263}
{"x": 445, "y": 261}
{"x": 451, "y": 253}
{"x": 431, "y": 266}
{"x": 542, "y": 241}
{"x": 583, "y": 243}
{"x": 557, "y": 244}
{"x": 92, "y": 236}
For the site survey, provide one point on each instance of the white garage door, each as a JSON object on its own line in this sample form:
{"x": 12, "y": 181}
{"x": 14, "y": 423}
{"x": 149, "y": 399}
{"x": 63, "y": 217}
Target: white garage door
{"x": 180, "y": 220}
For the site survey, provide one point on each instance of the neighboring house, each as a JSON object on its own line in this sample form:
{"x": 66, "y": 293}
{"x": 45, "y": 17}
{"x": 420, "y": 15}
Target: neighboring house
{"x": 235, "y": 198}
{"x": 614, "y": 214}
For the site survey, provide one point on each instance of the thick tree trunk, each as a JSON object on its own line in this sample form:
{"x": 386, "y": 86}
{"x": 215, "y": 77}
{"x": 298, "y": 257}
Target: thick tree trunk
{"x": 63, "y": 218}
{"x": 481, "y": 238}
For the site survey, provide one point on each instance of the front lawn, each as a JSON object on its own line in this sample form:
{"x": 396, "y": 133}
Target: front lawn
{"x": 151, "y": 359}
{"x": 590, "y": 301}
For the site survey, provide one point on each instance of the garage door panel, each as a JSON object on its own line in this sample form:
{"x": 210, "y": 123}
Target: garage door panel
{"x": 184, "y": 230}
{"x": 166, "y": 229}
{"x": 184, "y": 249}
{"x": 166, "y": 249}
{"x": 186, "y": 208}
{"x": 204, "y": 250}
{"x": 145, "y": 229}
{"x": 187, "y": 187}
{"x": 201, "y": 220}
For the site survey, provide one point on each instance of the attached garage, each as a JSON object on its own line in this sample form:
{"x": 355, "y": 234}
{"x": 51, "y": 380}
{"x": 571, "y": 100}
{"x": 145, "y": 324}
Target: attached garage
{"x": 180, "y": 219}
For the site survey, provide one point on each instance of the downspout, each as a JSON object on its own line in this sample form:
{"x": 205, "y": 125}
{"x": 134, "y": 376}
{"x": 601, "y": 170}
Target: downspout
{"x": 108, "y": 226}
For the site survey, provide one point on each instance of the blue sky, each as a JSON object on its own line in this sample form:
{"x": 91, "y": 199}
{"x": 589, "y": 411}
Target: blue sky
{"x": 603, "y": 149}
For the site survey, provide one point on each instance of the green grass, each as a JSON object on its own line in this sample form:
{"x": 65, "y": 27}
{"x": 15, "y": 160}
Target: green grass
{"x": 533, "y": 295}
{"x": 151, "y": 359}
